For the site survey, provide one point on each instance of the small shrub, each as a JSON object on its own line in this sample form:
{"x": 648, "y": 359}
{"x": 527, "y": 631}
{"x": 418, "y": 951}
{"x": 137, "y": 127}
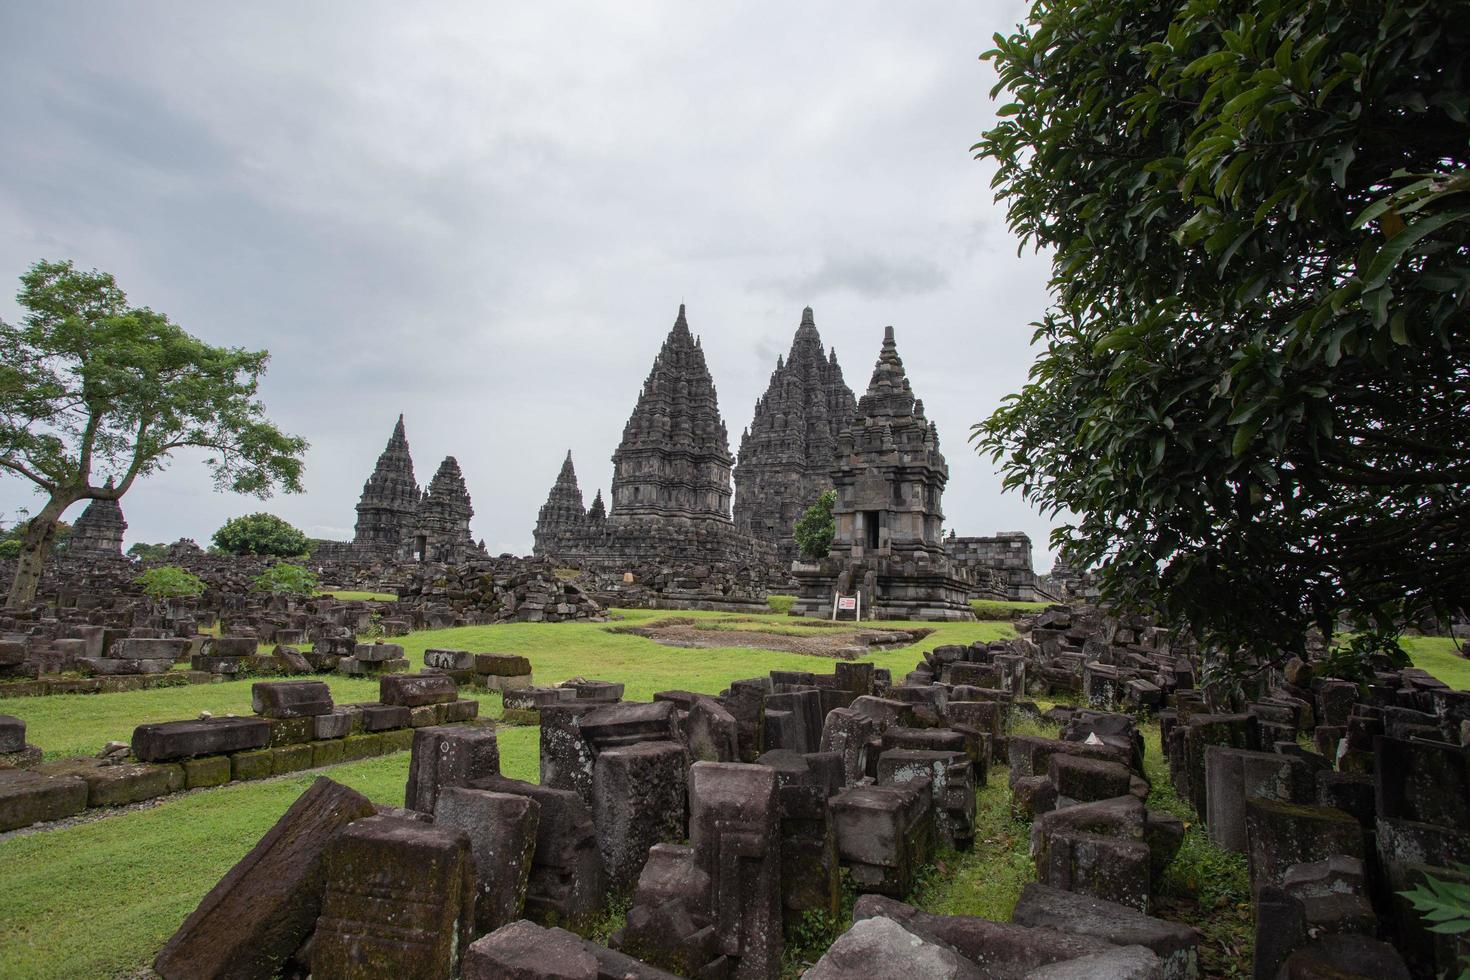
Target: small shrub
{"x": 260, "y": 534}
{"x": 286, "y": 579}
{"x": 10, "y": 548}
{"x": 170, "y": 582}
{"x": 781, "y": 603}
{"x": 813, "y": 532}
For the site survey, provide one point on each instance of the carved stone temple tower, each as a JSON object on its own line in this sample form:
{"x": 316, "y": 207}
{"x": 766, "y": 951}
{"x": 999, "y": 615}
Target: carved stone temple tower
{"x": 563, "y": 511}
{"x": 670, "y": 495}
{"x": 674, "y": 460}
{"x": 389, "y": 507}
{"x": 889, "y": 476}
{"x": 443, "y": 528}
{"x": 396, "y": 521}
{"x": 99, "y": 531}
{"x": 786, "y": 455}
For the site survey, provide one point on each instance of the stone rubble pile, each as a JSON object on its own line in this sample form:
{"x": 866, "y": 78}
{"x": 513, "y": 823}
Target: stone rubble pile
{"x": 496, "y": 591}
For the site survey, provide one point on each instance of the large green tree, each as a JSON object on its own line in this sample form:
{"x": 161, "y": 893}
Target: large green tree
{"x": 1253, "y": 385}
{"x": 95, "y": 394}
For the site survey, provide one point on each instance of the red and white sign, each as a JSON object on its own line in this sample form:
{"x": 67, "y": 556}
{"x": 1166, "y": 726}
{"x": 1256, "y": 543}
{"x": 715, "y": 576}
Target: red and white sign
{"x": 846, "y": 603}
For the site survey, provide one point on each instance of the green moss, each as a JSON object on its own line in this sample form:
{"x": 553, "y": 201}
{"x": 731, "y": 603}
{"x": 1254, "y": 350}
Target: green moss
{"x": 211, "y": 770}
{"x": 255, "y": 764}
{"x": 290, "y": 758}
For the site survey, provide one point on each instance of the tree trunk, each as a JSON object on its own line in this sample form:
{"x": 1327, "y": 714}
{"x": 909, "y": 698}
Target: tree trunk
{"x": 35, "y": 545}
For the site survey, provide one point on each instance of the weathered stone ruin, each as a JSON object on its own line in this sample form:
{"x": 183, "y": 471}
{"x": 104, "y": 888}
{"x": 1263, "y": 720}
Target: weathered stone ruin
{"x": 726, "y": 820}
{"x": 1000, "y": 567}
{"x": 786, "y": 454}
{"x": 98, "y": 533}
{"x": 396, "y": 521}
{"x": 670, "y": 496}
{"x": 888, "y": 547}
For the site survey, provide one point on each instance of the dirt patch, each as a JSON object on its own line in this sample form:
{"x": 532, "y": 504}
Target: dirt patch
{"x": 838, "y": 641}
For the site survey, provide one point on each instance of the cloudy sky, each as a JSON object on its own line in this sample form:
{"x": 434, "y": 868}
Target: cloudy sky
{"x": 485, "y": 217}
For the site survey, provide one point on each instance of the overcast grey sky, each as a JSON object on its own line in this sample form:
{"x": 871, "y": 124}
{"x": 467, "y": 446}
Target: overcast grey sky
{"x": 485, "y": 217}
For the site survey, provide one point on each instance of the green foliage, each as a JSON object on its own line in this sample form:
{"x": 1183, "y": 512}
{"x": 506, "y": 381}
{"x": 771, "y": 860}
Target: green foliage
{"x": 807, "y": 940}
{"x": 813, "y": 532}
{"x": 1445, "y": 906}
{"x": 170, "y": 582}
{"x": 260, "y": 534}
{"x": 283, "y": 578}
{"x": 148, "y": 552}
{"x": 9, "y": 548}
{"x": 1251, "y": 385}
{"x": 781, "y": 603}
{"x": 95, "y": 393}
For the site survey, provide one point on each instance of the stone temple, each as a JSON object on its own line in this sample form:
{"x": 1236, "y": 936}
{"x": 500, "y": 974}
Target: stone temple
{"x": 396, "y": 521}
{"x": 888, "y": 543}
{"x": 99, "y": 531}
{"x": 670, "y": 497}
{"x": 786, "y": 455}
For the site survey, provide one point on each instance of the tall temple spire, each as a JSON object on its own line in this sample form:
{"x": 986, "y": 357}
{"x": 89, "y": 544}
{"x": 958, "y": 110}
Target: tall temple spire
{"x": 444, "y": 518}
{"x": 786, "y": 453}
{"x": 888, "y": 390}
{"x": 390, "y": 499}
{"x": 674, "y": 460}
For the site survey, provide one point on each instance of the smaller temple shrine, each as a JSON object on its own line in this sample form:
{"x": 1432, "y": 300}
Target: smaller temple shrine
{"x": 396, "y": 521}
{"x": 99, "y": 531}
{"x": 888, "y": 545}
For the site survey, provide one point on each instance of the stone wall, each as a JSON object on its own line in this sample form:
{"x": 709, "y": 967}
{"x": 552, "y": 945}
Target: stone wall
{"x": 1008, "y": 556}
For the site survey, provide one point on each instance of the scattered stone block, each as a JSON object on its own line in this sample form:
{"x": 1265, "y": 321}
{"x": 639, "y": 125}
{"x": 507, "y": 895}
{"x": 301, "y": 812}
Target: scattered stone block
{"x": 413, "y": 690}
{"x": 525, "y": 951}
{"x": 1283, "y": 834}
{"x": 1006, "y": 951}
{"x": 1176, "y": 945}
{"x": 448, "y": 756}
{"x": 27, "y": 798}
{"x": 255, "y": 764}
{"x": 880, "y": 947}
{"x": 171, "y": 740}
{"x": 638, "y": 794}
{"x": 1119, "y": 963}
{"x": 501, "y": 828}
{"x": 399, "y": 901}
{"x": 566, "y": 881}
{"x": 290, "y": 699}
{"x": 211, "y": 770}
{"x": 262, "y": 910}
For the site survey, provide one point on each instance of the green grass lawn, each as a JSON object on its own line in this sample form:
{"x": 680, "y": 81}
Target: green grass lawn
{"x": 1440, "y": 655}
{"x": 100, "y": 899}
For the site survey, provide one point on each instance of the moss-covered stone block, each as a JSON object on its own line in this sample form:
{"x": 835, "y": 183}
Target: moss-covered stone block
{"x": 209, "y": 770}
{"x": 255, "y": 764}
{"x": 364, "y": 746}
{"x": 400, "y": 740}
{"x": 326, "y": 753}
{"x": 121, "y": 785}
{"x": 290, "y": 758}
